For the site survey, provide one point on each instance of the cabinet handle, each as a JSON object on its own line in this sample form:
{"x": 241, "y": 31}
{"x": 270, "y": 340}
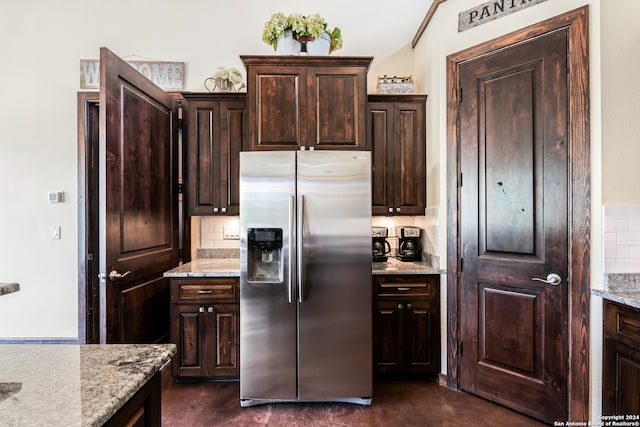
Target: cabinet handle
{"x": 398, "y": 210}
{"x": 215, "y": 210}
{"x": 205, "y": 291}
{"x": 390, "y": 210}
{"x": 224, "y": 210}
{"x": 409, "y": 306}
{"x": 400, "y": 307}
{"x": 201, "y": 309}
{"x": 404, "y": 289}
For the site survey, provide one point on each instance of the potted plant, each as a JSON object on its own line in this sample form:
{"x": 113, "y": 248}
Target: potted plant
{"x": 282, "y": 30}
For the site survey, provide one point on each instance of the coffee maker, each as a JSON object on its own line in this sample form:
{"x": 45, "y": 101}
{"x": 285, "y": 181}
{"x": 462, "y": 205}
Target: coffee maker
{"x": 380, "y": 245}
{"x": 409, "y": 244}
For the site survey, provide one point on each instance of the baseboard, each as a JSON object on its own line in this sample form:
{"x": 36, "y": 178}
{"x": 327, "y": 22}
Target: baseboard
{"x": 39, "y": 341}
{"x": 442, "y": 379}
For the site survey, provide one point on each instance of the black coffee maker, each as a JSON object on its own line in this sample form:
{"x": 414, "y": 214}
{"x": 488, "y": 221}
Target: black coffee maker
{"x": 409, "y": 244}
{"x": 380, "y": 245}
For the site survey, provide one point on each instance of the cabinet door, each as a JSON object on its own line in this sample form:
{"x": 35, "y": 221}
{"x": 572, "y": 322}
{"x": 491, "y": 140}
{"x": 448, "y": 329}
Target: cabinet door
{"x": 224, "y": 362}
{"x": 396, "y": 136}
{"x": 621, "y": 379}
{"x": 388, "y": 352}
{"x": 232, "y": 139}
{"x": 277, "y": 104}
{"x": 422, "y": 336}
{"x": 215, "y": 136}
{"x": 311, "y": 102}
{"x": 188, "y": 332}
{"x": 336, "y": 104}
{"x": 203, "y": 124}
{"x": 409, "y": 184}
{"x": 380, "y": 139}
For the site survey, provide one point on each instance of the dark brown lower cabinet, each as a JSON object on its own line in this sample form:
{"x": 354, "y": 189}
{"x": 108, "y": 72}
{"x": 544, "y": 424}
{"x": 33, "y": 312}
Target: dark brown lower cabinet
{"x": 143, "y": 409}
{"x": 621, "y": 364}
{"x": 205, "y": 326}
{"x": 406, "y": 325}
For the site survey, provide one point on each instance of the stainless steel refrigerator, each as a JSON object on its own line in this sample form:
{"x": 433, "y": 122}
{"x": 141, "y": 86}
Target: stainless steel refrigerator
{"x": 305, "y": 277}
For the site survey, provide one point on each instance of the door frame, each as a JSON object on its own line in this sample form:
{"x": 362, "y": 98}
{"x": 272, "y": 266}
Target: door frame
{"x": 575, "y": 23}
{"x": 87, "y": 231}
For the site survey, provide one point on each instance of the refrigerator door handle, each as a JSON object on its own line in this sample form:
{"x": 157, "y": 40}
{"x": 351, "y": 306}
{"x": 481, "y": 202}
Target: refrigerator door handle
{"x": 299, "y": 236}
{"x": 292, "y": 212}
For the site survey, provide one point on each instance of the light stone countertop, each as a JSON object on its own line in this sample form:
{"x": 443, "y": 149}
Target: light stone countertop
{"x": 230, "y": 267}
{"x": 73, "y": 385}
{"x": 623, "y": 288}
{"x": 8, "y": 288}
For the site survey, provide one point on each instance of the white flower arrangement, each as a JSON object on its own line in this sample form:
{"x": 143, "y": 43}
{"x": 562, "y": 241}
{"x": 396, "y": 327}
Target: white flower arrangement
{"x": 225, "y": 80}
{"x": 303, "y": 26}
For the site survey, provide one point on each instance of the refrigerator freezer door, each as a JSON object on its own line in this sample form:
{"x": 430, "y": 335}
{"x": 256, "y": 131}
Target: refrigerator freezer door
{"x": 267, "y": 317}
{"x": 335, "y": 310}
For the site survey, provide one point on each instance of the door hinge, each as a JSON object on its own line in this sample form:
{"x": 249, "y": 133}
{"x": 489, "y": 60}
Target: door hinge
{"x": 460, "y": 179}
{"x": 180, "y": 188}
{"x": 89, "y": 257}
{"x": 180, "y": 118}
{"x": 460, "y": 350}
{"x": 461, "y": 265}
{"x": 460, "y": 95}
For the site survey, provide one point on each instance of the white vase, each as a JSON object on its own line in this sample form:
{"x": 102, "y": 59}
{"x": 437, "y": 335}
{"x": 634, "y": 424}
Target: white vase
{"x": 320, "y": 46}
{"x": 287, "y": 45}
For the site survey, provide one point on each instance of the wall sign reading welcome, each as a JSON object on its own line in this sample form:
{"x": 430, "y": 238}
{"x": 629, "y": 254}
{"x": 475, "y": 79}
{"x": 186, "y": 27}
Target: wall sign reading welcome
{"x": 491, "y": 10}
{"x": 166, "y": 75}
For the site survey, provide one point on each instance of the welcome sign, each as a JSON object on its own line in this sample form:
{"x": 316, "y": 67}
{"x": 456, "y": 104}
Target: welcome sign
{"x": 491, "y": 10}
{"x": 166, "y": 75}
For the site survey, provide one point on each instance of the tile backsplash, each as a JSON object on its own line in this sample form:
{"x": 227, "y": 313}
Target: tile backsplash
{"x": 621, "y": 239}
{"x": 208, "y": 233}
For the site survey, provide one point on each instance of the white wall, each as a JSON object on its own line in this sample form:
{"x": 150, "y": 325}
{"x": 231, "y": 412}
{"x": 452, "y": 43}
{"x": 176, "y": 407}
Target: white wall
{"x": 441, "y": 39}
{"x": 40, "y": 50}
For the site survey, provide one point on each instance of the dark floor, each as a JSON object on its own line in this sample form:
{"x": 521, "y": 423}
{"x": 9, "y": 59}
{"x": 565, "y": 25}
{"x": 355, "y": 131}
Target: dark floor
{"x": 395, "y": 403}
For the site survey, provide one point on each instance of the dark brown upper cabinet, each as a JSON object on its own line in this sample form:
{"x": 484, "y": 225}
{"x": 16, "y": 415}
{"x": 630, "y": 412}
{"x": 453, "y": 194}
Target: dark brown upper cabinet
{"x": 311, "y": 102}
{"x": 215, "y": 134}
{"x": 396, "y": 135}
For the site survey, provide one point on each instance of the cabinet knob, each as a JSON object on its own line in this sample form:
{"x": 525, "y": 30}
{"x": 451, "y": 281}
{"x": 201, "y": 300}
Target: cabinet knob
{"x": 390, "y": 210}
{"x": 398, "y": 210}
{"x": 210, "y": 309}
{"x": 201, "y": 309}
{"x": 215, "y": 210}
{"x": 224, "y": 210}
{"x": 409, "y": 306}
{"x": 400, "y": 307}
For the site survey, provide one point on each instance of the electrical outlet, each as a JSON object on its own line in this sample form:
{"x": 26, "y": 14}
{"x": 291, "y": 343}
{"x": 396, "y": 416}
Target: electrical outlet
{"x": 231, "y": 233}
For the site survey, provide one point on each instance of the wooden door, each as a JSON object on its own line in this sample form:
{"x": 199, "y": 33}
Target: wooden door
{"x": 513, "y": 226}
{"x": 138, "y": 203}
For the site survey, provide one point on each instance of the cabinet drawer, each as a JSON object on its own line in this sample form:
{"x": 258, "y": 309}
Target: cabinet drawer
{"x": 416, "y": 286}
{"x": 622, "y": 323}
{"x": 203, "y": 290}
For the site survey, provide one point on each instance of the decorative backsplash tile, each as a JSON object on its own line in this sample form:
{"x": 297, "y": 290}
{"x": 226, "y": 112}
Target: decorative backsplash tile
{"x": 621, "y": 239}
{"x": 211, "y": 242}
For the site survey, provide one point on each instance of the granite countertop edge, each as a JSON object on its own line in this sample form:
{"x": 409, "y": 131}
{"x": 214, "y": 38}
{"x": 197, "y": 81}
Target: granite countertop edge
{"x": 142, "y": 369}
{"x": 623, "y": 288}
{"x": 627, "y": 297}
{"x": 96, "y": 380}
{"x": 230, "y": 267}
{"x": 9, "y": 288}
